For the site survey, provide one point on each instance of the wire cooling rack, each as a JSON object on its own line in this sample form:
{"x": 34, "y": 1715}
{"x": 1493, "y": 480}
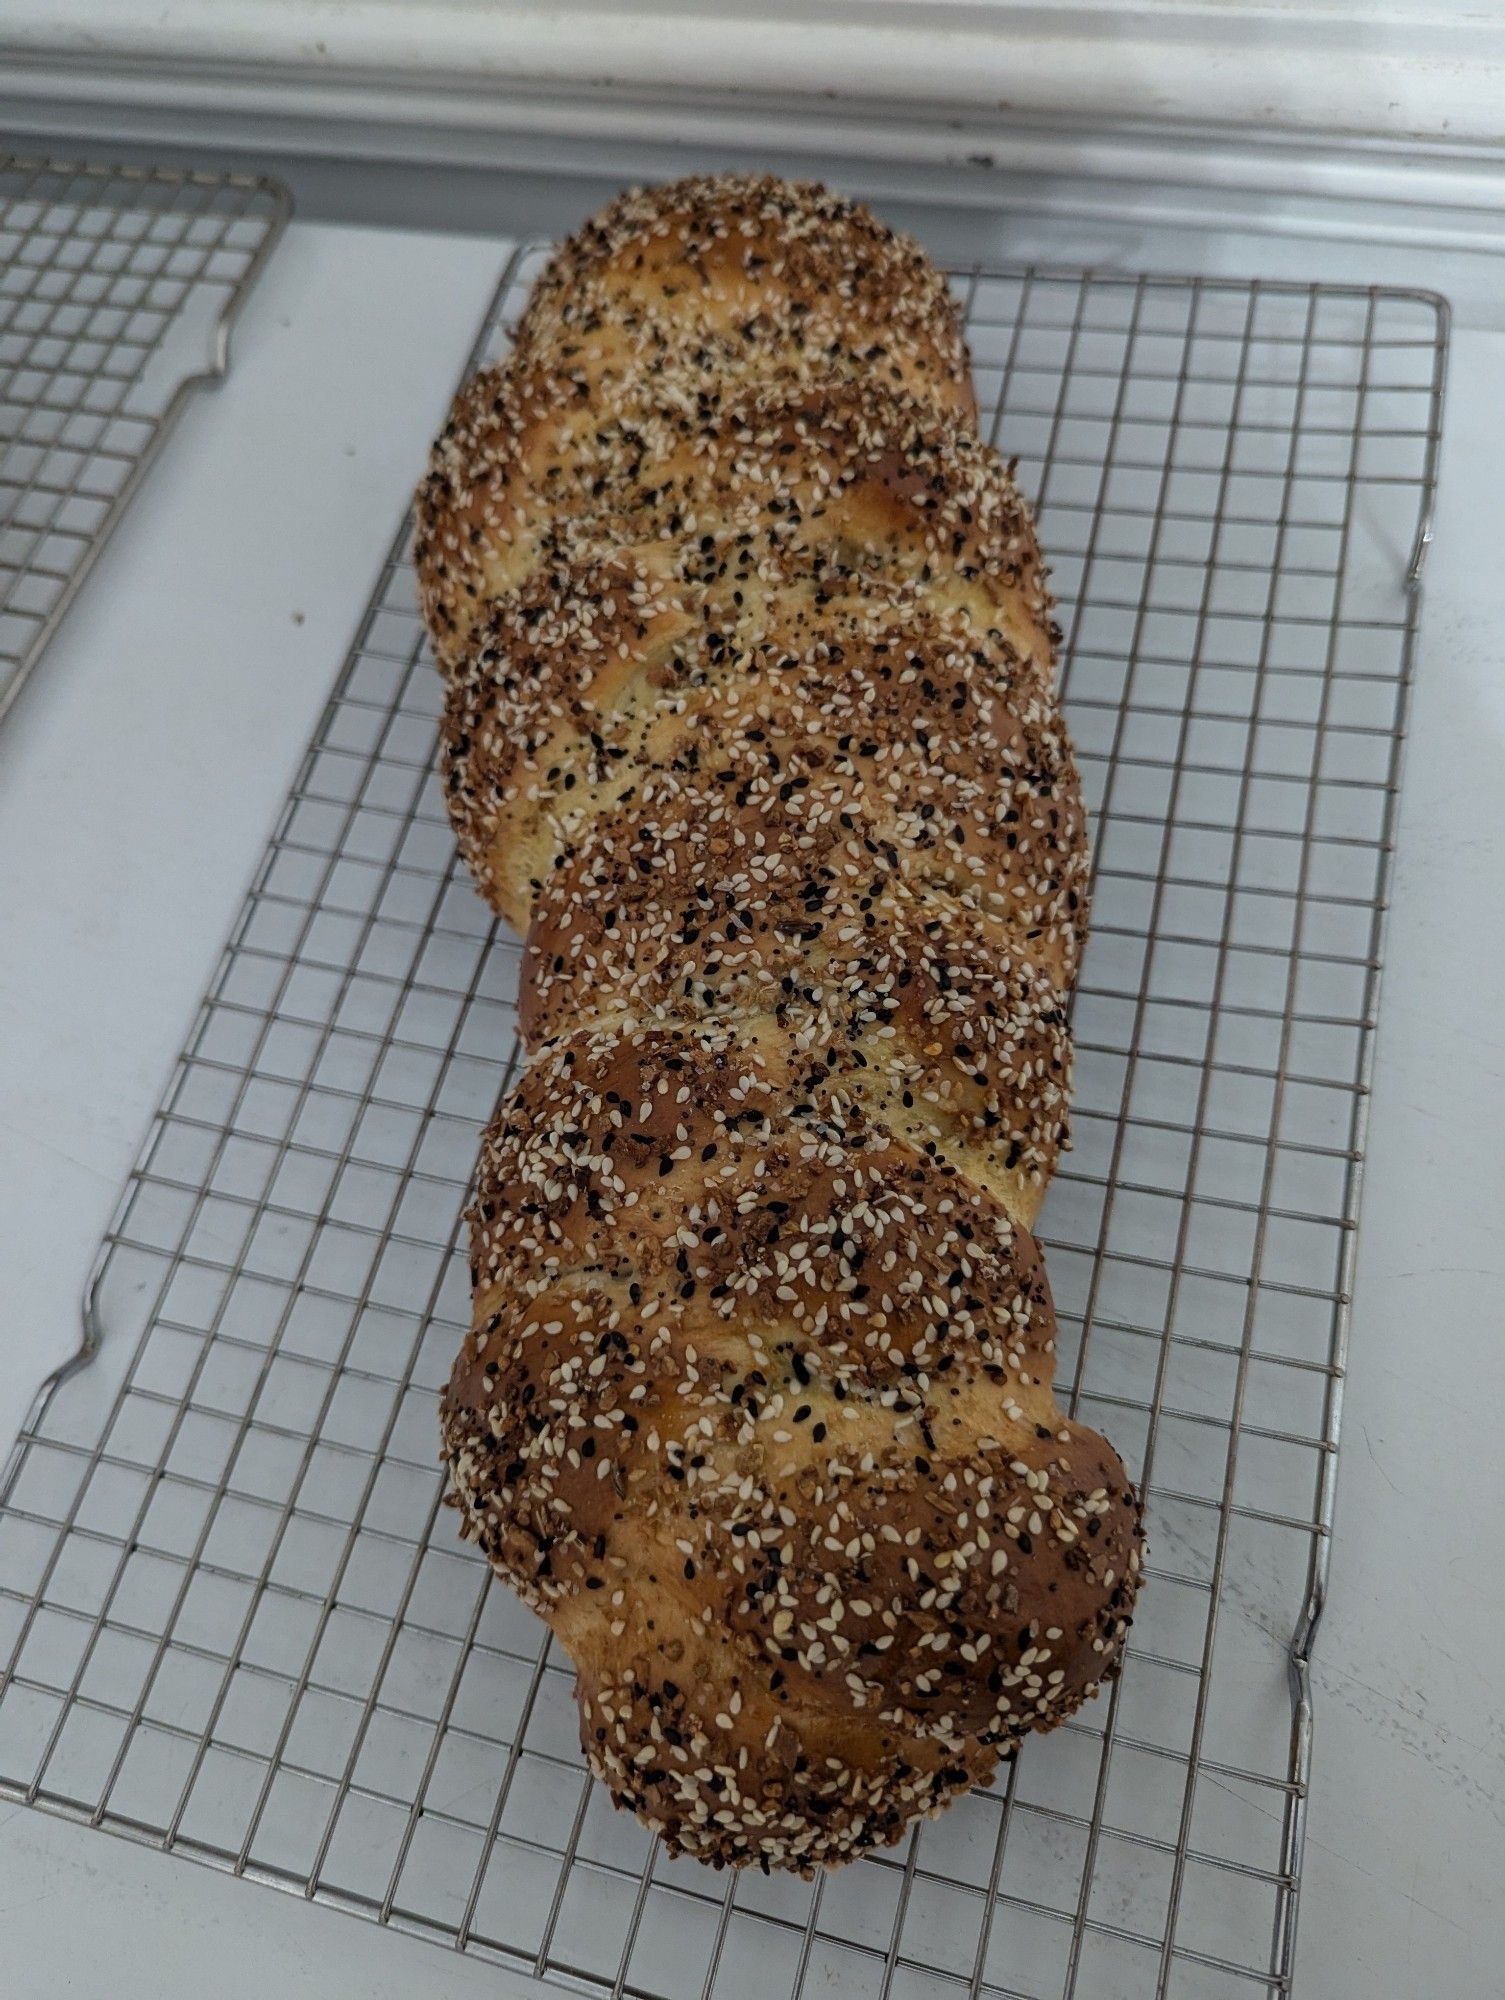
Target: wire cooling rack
{"x": 235, "y": 1620}
{"x": 118, "y": 289}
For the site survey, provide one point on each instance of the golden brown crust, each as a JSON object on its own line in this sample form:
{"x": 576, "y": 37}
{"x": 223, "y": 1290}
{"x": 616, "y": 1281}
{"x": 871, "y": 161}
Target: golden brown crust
{"x": 751, "y": 727}
{"x": 670, "y": 292}
{"x": 758, "y": 1405}
{"x": 828, "y": 475}
{"x": 869, "y": 692}
{"x": 746, "y": 276}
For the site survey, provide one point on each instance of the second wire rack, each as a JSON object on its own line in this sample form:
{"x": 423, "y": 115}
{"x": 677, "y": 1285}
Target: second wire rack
{"x": 118, "y": 290}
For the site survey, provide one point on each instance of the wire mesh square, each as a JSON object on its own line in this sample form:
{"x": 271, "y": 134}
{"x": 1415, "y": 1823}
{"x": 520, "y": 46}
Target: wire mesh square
{"x": 118, "y": 288}
{"x": 234, "y": 1617}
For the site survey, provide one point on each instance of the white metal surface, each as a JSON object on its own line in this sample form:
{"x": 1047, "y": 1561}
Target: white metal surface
{"x": 236, "y": 1624}
{"x": 148, "y": 857}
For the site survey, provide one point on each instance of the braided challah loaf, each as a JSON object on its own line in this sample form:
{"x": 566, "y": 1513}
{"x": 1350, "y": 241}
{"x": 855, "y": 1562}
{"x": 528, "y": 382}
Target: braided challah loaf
{"x": 751, "y": 728}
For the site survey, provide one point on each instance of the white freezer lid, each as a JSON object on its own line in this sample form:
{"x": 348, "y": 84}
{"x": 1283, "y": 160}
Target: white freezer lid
{"x": 1407, "y": 72}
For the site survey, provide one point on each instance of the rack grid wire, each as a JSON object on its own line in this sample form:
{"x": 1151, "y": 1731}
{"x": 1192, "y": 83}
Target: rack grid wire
{"x": 235, "y": 1619}
{"x": 118, "y": 290}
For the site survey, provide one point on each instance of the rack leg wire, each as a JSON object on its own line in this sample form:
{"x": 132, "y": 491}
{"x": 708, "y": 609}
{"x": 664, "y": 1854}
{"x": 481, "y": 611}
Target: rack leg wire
{"x": 234, "y": 1621}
